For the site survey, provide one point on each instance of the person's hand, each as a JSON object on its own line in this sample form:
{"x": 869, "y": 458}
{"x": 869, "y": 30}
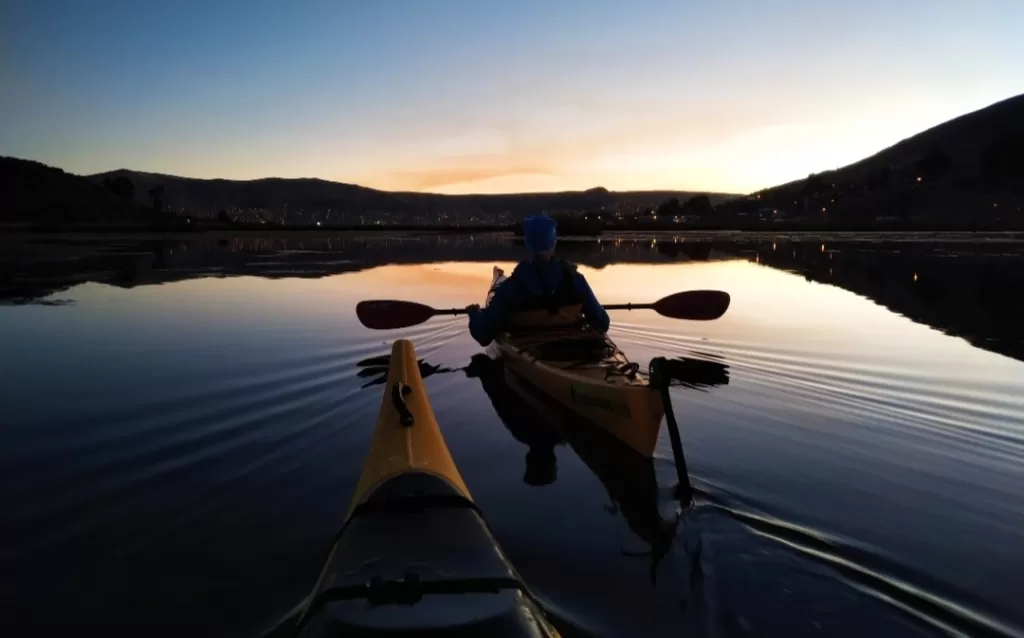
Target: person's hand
{"x": 470, "y": 309}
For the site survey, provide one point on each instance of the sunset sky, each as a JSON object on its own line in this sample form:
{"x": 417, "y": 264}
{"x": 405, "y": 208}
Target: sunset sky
{"x": 461, "y": 96}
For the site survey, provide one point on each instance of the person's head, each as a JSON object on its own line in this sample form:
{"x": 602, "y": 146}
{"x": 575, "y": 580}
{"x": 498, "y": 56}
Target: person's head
{"x": 540, "y": 235}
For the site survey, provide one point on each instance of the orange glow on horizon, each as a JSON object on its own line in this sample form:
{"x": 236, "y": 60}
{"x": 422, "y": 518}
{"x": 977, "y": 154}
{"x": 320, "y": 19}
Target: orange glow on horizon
{"x": 718, "y": 147}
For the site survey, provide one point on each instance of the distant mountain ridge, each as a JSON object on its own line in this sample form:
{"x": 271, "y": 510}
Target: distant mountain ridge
{"x": 964, "y": 172}
{"x": 35, "y": 192}
{"x": 963, "y": 138}
{"x": 299, "y": 199}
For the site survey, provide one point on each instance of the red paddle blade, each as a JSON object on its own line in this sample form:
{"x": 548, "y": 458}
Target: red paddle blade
{"x": 695, "y": 305}
{"x": 389, "y": 315}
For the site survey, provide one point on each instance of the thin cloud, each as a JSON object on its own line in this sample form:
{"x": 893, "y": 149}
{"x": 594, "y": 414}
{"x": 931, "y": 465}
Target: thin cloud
{"x": 526, "y": 153}
{"x": 462, "y": 172}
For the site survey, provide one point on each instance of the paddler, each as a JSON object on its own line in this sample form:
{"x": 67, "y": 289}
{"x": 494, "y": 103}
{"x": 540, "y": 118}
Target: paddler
{"x": 540, "y": 282}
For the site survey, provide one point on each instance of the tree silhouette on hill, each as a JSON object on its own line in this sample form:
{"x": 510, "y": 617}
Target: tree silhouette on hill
{"x": 670, "y": 207}
{"x": 813, "y": 185}
{"x": 120, "y": 186}
{"x": 156, "y": 194}
{"x": 698, "y": 205}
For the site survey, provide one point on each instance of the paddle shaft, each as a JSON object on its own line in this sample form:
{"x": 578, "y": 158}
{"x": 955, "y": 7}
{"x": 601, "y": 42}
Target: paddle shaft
{"x": 696, "y": 305}
{"x": 629, "y": 306}
{"x": 451, "y": 311}
{"x": 614, "y": 306}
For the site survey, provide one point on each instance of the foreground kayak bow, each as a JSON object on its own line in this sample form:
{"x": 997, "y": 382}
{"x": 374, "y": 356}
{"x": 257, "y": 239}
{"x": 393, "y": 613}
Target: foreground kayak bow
{"x": 415, "y": 555}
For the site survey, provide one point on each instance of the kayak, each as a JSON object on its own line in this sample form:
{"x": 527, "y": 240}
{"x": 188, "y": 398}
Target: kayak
{"x": 415, "y": 554}
{"x": 582, "y": 369}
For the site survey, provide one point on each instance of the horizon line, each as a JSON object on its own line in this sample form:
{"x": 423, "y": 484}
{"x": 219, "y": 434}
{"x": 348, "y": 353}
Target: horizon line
{"x": 407, "y": 192}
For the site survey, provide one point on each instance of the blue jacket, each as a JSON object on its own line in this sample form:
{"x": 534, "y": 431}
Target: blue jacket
{"x": 526, "y": 280}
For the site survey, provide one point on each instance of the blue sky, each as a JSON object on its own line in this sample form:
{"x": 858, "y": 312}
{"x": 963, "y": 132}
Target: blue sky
{"x": 482, "y": 96}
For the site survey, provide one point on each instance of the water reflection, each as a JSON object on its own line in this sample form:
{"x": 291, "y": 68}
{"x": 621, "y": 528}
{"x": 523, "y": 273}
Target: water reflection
{"x": 965, "y": 288}
{"x": 968, "y": 290}
{"x": 223, "y": 415}
{"x": 377, "y": 368}
{"x": 628, "y": 478}
{"x": 35, "y": 270}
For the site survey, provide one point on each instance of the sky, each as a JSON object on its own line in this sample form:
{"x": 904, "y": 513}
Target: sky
{"x": 484, "y": 96}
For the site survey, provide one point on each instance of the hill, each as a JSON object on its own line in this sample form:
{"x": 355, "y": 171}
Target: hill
{"x": 308, "y": 200}
{"x": 38, "y": 193}
{"x": 965, "y": 139}
{"x": 965, "y": 171}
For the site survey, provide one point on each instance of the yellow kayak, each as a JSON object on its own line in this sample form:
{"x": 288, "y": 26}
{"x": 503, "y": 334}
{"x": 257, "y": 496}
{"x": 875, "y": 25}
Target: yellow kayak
{"x": 583, "y": 370}
{"x": 415, "y": 555}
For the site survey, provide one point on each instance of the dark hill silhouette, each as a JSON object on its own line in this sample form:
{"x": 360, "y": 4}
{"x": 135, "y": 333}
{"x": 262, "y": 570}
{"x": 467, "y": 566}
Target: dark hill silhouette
{"x": 309, "y": 199}
{"x": 37, "y": 193}
{"x": 965, "y": 173}
{"x": 269, "y": 193}
{"x": 968, "y": 171}
{"x": 965, "y": 139}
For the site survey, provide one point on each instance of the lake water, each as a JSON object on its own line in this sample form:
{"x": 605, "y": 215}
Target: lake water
{"x": 184, "y": 422}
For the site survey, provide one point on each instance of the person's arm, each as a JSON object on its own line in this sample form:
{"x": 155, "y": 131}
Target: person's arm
{"x": 484, "y": 323}
{"x": 595, "y": 313}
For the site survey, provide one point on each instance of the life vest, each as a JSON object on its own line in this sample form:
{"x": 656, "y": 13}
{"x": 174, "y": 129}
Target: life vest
{"x": 563, "y": 307}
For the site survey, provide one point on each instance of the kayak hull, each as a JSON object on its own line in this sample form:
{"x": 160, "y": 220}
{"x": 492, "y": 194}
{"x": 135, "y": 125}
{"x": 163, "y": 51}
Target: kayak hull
{"x": 415, "y": 555}
{"x": 606, "y": 389}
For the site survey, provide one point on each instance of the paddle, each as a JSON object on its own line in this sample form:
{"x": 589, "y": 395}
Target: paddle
{"x": 694, "y": 305}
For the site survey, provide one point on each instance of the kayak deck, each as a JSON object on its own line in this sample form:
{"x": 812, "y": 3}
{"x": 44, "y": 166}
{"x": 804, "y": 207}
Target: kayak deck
{"x": 585, "y": 371}
{"x": 415, "y": 555}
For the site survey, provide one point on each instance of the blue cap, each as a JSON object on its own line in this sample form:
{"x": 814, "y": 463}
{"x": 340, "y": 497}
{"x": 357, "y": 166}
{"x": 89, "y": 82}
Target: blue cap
{"x": 539, "y": 233}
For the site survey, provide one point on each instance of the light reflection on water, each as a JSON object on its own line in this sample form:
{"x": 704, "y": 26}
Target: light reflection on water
{"x": 191, "y": 436}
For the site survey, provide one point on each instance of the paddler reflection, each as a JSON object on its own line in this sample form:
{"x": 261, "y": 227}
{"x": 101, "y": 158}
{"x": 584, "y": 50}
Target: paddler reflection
{"x": 525, "y": 425}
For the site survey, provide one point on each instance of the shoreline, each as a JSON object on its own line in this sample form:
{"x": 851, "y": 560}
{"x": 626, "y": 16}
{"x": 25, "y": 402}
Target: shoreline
{"x": 83, "y": 235}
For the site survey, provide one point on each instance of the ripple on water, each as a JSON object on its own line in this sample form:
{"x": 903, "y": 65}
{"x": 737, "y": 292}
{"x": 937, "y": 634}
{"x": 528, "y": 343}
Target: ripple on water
{"x": 866, "y": 569}
{"x": 940, "y": 437}
{"x": 257, "y": 422}
{"x": 220, "y": 459}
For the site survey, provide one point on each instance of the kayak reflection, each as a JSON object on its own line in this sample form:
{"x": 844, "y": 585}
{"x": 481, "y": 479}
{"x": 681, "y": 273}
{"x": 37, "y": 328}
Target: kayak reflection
{"x": 377, "y": 367}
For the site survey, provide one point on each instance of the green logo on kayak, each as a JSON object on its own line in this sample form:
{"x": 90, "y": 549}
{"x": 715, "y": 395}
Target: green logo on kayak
{"x": 601, "y": 403}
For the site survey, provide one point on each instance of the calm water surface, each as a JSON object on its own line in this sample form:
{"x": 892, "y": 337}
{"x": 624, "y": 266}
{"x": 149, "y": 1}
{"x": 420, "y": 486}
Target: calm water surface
{"x": 183, "y": 425}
